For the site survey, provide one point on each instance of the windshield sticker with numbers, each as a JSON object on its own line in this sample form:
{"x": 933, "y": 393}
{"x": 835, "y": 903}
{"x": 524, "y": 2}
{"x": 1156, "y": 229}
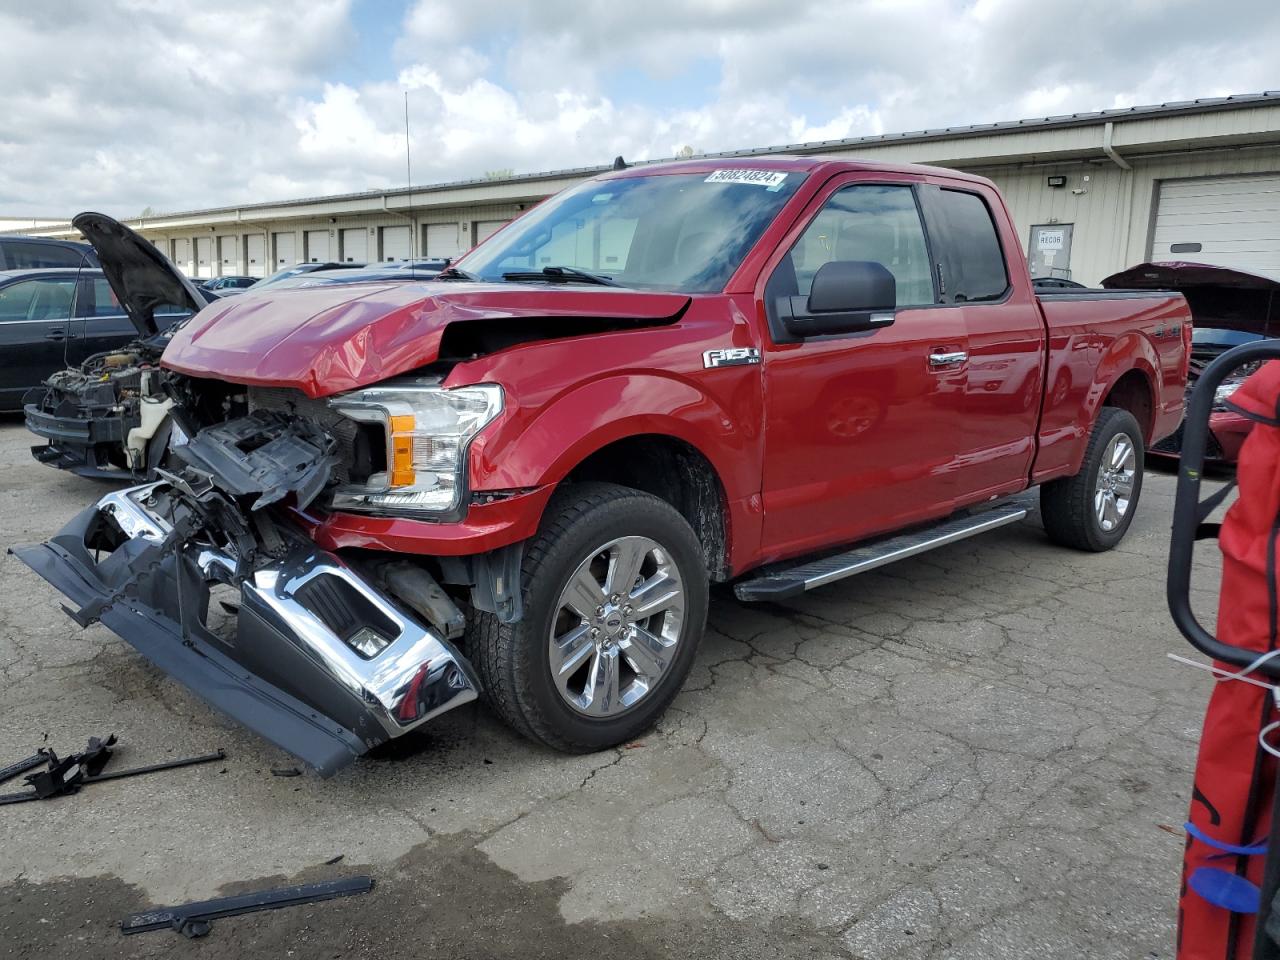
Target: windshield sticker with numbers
{"x": 771, "y": 179}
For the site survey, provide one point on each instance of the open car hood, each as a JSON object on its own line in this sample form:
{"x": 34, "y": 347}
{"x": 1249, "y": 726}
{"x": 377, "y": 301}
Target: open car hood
{"x": 140, "y": 276}
{"x": 327, "y": 339}
{"x": 1220, "y": 298}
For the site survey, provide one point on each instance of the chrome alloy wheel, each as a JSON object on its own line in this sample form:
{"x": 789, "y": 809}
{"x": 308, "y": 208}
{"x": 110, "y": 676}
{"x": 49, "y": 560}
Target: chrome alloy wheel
{"x": 1114, "y": 490}
{"x": 615, "y": 627}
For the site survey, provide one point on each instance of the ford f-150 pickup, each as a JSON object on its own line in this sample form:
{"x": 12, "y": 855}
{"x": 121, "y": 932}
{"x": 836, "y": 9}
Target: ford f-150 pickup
{"x": 520, "y": 478}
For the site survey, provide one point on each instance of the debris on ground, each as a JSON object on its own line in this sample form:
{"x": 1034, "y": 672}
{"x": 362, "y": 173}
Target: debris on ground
{"x": 193, "y": 919}
{"x": 66, "y": 775}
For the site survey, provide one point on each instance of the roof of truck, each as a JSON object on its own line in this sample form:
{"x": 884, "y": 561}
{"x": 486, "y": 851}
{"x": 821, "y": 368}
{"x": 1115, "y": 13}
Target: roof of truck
{"x": 789, "y": 164}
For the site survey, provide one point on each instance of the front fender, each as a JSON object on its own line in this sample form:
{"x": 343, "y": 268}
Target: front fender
{"x": 532, "y": 448}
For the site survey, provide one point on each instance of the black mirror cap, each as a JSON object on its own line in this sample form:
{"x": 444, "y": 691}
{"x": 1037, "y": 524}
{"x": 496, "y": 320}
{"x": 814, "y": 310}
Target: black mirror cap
{"x": 853, "y": 285}
{"x": 847, "y": 296}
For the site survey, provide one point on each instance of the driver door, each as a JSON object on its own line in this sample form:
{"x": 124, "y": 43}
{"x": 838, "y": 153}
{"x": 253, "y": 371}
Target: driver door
{"x": 862, "y": 430}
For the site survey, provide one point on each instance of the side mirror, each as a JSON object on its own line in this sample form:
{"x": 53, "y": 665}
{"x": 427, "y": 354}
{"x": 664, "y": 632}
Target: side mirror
{"x": 847, "y": 296}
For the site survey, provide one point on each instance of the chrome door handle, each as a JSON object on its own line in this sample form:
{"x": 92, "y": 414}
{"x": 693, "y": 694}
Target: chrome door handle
{"x": 943, "y": 359}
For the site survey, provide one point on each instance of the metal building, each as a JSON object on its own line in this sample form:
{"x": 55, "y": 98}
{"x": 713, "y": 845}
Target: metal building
{"x": 1091, "y": 193}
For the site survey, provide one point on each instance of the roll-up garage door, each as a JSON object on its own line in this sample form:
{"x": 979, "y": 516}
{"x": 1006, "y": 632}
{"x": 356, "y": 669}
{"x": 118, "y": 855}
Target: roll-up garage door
{"x": 395, "y": 244}
{"x": 180, "y": 254}
{"x": 442, "y": 240}
{"x": 1226, "y": 221}
{"x": 228, "y": 256}
{"x": 204, "y": 256}
{"x": 355, "y": 245}
{"x": 487, "y": 228}
{"x": 284, "y": 252}
{"x": 317, "y": 246}
{"x": 255, "y": 255}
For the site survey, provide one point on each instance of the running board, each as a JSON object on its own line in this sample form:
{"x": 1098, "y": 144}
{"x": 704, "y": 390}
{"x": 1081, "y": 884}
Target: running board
{"x": 790, "y": 582}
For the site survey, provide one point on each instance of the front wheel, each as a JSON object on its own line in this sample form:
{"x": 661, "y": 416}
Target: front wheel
{"x": 615, "y": 602}
{"x": 1093, "y": 509}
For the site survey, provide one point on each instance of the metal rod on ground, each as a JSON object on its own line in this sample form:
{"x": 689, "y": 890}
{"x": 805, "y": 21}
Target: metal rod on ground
{"x": 164, "y": 918}
{"x": 118, "y": 774}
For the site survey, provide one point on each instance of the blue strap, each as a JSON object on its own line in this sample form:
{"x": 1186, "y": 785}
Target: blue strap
{"x": 1250, "y": 851}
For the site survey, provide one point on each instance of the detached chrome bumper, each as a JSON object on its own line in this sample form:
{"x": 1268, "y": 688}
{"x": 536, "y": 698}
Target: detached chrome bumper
{"x": 294, "y": 672}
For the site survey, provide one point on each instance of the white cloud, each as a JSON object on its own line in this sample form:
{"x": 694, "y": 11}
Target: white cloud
{"x": 177, "y": 104}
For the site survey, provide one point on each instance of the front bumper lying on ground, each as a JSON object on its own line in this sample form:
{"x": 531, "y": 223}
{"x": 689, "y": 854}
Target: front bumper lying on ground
{"x": 320, "y": 662}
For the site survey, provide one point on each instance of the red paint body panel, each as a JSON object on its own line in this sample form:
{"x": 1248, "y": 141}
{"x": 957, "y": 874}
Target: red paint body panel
{"x": 327, "y": 339}
{"x": 819, "y": 444}
{"x": 486, "y": 527}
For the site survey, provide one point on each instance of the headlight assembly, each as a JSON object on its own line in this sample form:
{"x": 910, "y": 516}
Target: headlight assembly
{"x": 427, "y": 431}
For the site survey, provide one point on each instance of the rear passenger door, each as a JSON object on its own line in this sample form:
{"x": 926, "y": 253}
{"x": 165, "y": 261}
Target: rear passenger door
{"x": 101, "y": 323}
{"x": 1002, "y": 370}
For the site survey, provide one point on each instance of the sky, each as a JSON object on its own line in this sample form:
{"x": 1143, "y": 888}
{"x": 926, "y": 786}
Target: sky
{"x": 128, "y": 105}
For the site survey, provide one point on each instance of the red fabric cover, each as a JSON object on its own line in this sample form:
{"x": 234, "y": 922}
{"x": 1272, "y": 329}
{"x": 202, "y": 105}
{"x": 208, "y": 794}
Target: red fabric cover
{"x": 1235, "y": 778}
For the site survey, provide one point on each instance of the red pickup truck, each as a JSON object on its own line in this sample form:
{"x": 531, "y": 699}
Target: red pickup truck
{"x": 520, "y": 478}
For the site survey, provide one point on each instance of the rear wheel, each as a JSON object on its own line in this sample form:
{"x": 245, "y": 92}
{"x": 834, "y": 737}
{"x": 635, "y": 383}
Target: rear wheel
{"x": 615, "y": 602}
{"x": 1093, "y": 509}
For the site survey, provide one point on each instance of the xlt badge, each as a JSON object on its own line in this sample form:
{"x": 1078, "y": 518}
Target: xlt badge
{"x": 730, "y": 357}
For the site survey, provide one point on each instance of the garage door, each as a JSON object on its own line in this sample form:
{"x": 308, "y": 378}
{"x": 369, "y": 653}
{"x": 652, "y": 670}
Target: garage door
{"x": 442, "y": 240}
{"x": 395, "y": 243}
{"x": 180, "y": 254}
{"x": 355, "y": 245}
{"x": 1226, "y": 221}
{"x": 284, "y": 252}
{"x": 317, "y": 246}
{"x": 204, "y": 256}
{"x": 487, "y": 228}
{"x": 228, "y": 256}
{"x": 255, "y": 255}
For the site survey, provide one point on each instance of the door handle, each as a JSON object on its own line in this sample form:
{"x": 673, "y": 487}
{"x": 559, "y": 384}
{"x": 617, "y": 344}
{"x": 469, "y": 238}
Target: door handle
{"x": 56, "y": 335}
{"x": 943, "y": 359}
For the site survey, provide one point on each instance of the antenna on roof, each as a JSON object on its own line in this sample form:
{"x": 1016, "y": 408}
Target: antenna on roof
{"x": 408, "y": 182}
{"x": 619, "y": 163}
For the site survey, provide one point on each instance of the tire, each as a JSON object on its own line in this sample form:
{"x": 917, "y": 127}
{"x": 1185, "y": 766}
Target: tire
{"x": 1071, "y": 506}
{"x": 584, "y": 524}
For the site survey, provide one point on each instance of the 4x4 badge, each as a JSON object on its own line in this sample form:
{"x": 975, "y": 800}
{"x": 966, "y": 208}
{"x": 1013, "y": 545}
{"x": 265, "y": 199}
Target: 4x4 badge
{"x": 730, "y": 357}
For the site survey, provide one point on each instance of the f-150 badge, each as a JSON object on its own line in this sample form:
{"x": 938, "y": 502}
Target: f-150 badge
{"x": 730, "y": 357}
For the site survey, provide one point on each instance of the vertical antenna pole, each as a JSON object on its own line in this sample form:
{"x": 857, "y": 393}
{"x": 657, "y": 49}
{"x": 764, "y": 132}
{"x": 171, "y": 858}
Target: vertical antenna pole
{"x": 408, "y": 182}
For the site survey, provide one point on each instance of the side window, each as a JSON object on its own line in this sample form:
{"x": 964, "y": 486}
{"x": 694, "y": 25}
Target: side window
{"x": 37, "y": 300}
{"x": 974, "y": 266}
{"x": 19, "y": 255}
{"x": 867, "y": 222}
{"x": 97, "y": 300}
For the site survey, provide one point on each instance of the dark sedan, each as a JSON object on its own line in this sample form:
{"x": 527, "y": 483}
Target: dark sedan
{"x": 55, "y": 318}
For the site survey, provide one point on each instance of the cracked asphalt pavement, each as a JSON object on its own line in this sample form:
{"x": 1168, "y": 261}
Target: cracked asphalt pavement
{"x": 979, "y": 753}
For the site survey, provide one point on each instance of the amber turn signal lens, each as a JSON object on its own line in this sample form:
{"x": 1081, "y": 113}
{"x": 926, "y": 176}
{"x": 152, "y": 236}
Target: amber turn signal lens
{"x": 402, "y": 473}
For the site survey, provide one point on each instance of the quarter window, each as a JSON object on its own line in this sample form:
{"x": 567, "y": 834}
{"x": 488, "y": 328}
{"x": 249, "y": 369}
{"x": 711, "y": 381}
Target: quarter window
{"x": 865, "y": 222}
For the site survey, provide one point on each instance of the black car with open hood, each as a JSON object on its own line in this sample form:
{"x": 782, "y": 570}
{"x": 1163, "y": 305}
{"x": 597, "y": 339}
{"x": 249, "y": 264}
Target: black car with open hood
{"x": 108, "y": 416}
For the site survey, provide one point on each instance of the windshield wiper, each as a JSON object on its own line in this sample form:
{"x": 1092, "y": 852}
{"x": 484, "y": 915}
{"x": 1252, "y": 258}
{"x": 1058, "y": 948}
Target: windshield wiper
{"x": 453, "y": 273}
{"x": 562, "y": 275}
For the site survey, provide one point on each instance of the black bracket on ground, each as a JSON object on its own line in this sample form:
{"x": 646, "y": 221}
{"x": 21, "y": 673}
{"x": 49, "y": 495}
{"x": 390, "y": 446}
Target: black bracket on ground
{"x": 80, "y": 779}
{"x": 192, "y": 919}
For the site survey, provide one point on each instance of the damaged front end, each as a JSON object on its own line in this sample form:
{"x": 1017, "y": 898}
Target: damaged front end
{"x": 322, "y": 656}
{"x": 107, "y": 418}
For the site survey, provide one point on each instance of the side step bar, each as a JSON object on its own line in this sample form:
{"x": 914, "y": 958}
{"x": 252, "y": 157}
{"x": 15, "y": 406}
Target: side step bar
{"x": 782, "y": 584}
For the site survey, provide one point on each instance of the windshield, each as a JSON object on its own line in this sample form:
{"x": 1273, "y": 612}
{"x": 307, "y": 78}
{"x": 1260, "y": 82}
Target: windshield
{"x": 686, "y": 233}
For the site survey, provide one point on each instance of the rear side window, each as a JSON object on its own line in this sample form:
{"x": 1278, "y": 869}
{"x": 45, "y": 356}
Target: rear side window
{"x": 21, "y": 255}
{"x": 103, "y": 302}
{"x": 973, "y": 266}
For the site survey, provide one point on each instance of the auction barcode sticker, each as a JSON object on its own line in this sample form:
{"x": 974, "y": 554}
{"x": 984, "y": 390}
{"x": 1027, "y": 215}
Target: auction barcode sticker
{"x": 764, "y": 178}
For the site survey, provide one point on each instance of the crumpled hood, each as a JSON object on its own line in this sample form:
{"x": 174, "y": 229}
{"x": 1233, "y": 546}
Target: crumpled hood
{"x": 139, "y": 275}
{"x": 324, "y": 340}
{"x": 1220, "y": 298}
